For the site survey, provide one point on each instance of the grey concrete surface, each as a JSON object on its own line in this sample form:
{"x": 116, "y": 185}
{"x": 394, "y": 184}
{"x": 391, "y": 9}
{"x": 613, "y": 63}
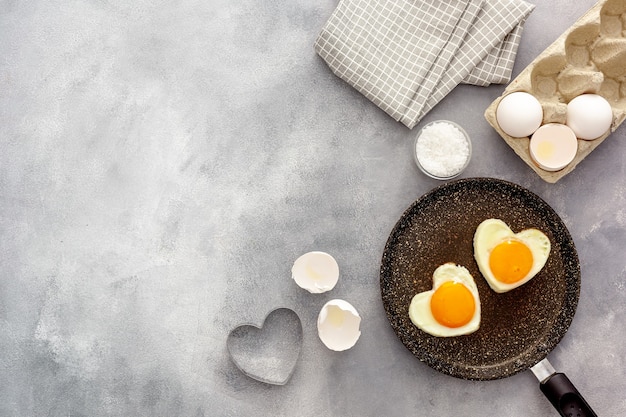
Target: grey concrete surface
{"x": 162, "y": 164}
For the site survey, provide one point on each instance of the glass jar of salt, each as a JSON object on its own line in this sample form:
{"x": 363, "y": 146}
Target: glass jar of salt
{"x": 442, "y": 149}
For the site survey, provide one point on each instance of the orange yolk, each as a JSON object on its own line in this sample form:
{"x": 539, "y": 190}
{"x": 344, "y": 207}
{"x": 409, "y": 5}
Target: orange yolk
{"x": 510, "y": 261}
{"x": 452, "y": 304}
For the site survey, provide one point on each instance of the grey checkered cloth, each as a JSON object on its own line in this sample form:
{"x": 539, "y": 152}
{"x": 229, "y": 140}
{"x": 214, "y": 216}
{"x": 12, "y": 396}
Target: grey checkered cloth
{"x": 407, "y": 55}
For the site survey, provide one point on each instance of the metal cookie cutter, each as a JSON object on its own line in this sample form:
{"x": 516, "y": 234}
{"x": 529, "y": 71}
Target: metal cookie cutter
{"x": 268, "y": 353}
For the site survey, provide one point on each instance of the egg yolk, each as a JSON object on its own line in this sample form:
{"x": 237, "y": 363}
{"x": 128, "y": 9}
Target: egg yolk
{"x": 510, "y": 261}
{"x": 452, "y": 304}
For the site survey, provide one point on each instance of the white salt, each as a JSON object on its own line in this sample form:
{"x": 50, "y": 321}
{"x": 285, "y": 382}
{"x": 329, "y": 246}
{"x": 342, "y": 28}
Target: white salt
{"x": 442, "y": 149}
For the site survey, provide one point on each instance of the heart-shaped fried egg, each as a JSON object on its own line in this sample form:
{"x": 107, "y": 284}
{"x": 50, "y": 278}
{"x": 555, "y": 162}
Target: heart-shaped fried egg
{"x": 452, "y": 307}
{"x": 506, "y": 259}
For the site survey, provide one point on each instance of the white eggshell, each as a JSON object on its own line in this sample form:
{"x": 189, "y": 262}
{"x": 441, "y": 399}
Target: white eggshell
{"x": 589, "y": 116}
{"x": 553, "y": 146}
{"x": 316, "y": 272}
{"x": 519, "y": 114}
{"x": 338, "y": 325}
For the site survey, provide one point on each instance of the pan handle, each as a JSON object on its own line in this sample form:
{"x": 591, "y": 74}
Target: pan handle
{"x": 565, "y": 397}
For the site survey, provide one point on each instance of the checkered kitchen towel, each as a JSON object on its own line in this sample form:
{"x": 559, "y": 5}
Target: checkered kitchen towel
{"x": 406, "y": 55}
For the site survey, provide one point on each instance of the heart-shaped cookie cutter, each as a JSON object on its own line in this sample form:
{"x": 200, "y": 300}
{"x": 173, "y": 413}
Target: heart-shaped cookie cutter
{"x": 269, "y": 352}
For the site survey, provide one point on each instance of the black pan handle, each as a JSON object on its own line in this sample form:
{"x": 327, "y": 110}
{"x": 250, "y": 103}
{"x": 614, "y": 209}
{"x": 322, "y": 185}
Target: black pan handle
{"x": 565, "y": 397}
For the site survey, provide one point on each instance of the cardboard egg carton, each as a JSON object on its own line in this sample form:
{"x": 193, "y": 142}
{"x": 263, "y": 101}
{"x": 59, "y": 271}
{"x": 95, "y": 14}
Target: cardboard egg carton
{"x": 589, "y": 57}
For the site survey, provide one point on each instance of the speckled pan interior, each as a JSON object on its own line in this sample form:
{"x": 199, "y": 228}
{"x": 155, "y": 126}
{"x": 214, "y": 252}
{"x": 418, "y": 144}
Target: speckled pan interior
{"x": 518, "y": 328}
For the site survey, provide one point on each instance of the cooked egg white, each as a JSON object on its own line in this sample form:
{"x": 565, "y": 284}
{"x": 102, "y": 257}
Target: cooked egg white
{"x": 452, "y": 307}
{"x": 506, "y": 259}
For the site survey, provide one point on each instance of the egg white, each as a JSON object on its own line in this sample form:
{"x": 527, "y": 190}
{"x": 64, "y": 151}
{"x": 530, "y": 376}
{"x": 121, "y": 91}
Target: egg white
{"x": 490, "y": 233}
{"x": 421, "y": 314}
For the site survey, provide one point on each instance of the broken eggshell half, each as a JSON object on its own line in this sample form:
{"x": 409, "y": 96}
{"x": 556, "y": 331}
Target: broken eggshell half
{"x": 338, "y": 325}
{"x": 316, "y": 272}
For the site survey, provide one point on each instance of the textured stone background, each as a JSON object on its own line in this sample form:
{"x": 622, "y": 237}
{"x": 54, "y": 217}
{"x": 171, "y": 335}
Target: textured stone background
{"x": 162, "y": 164}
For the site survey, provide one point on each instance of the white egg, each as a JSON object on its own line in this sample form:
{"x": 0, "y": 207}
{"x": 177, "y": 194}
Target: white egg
{"x": 452, "y": 307}
{"x": 338, "y": 325}
{"x": 506, "y": 259}
{"x": 589, "y": 116}
{"x": 519, "y": 114}
{"x": 316, "y": 272}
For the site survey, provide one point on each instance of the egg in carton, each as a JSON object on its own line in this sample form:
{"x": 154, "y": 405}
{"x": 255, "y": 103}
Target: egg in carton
{"x": 588, "y": 58}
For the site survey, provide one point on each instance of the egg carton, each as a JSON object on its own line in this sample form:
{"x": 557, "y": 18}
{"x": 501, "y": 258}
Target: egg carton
{"x": 589, "y": 57}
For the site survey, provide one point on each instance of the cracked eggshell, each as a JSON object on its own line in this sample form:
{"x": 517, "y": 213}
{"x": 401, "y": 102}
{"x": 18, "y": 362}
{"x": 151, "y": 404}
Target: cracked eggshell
{"x": 316, "y": 272}
{"x": 338, "y": 325}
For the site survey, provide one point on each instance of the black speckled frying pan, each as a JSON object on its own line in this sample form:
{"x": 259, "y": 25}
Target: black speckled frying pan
{"x": 518, "y": 328}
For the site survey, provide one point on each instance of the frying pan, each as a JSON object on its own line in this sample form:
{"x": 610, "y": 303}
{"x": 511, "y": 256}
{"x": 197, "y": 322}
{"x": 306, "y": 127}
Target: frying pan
{"x": 518, "y": 328}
